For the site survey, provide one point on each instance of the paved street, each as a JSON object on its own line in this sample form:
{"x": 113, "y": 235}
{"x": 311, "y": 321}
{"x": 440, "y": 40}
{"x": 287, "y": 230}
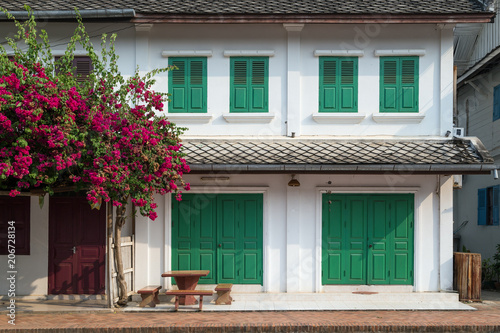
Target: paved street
{"x": 485, "y": 319}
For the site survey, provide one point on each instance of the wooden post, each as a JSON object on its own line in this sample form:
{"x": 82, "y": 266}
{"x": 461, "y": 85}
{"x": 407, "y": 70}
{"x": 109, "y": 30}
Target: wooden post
{"x": 467, "y": 276}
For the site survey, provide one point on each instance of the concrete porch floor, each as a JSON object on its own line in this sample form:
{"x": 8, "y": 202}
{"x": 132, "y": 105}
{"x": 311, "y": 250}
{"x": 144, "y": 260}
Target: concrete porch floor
{"x": 317, "y": 302}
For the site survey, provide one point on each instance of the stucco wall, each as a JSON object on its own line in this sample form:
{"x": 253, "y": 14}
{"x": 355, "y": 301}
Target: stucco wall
{"x": 475, "y": 115}
{"x": 287, "y": 243}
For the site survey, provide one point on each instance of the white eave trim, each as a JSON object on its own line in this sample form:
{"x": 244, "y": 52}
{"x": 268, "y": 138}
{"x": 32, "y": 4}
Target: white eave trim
{"x": 388, "y": 53}
{"x": 339, "y": 53}
{"x": 189, "y": 118}
{"x": 398, "y": 118}
{"x": 256, "y": 118}
{"x": 338, "y": 117}
{"x": 249, "y": 53}
{"x": 187, "y": 53}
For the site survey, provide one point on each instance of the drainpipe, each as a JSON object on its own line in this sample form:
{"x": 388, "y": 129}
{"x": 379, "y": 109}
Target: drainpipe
{"x": 71, "y": 14}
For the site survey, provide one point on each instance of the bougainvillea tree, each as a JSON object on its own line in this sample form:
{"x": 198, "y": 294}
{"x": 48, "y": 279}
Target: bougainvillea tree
{"x": 103, "y": 133}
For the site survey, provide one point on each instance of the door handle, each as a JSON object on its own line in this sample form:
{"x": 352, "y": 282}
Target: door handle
{"x": 370, "y": 246}
{"x": 74, "y": 249}
{"x": 220, "y": 245}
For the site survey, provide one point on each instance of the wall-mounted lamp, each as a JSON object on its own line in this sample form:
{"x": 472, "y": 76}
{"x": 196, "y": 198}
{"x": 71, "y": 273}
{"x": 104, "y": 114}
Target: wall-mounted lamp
{"x": 495, "y": 173}
{"x": 293, "y": 182}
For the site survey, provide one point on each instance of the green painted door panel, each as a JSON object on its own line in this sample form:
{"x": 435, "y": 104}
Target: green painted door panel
{"x": 355, "y": 226}
{"x": 222, "y": 233}
{"x": 332, "y": 239}
{"x": 367, "y": 239}
{"x": 378, "y": 234}
{"x": 194, "y": 235}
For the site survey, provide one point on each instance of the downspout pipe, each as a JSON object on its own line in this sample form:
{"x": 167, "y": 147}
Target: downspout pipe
{"x": 71, "y": 14}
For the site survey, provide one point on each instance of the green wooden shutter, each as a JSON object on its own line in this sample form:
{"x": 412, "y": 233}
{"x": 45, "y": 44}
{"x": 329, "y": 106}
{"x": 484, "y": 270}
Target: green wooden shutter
{"x": 496, "y": 203}
{"x": 328, "y": 99}
{"x": 399, "y": 84}
{"x": 249, "y": 84}
{"x": 348, "y": 85}
{"x": 227, "y": 232}
{"x": 379, "y": 232}
{"x": 259, "y": 83}
{"x": 408, "y": 100}
{"x": 481, "y": 206}
{"x": 338, "y": 86}
{"x": 355, "y": 233}
{"x": 197, "y": 85}
{"x": 187, "y": 85}
{"x": 177, "y": 86}
{"x": 389, "y": 86}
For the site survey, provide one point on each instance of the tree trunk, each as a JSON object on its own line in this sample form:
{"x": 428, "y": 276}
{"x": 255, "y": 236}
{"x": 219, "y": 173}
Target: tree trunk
{"x": 122, "y": 284}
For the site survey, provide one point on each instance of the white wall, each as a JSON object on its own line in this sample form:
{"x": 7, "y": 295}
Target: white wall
{"x": 219, "y": 38}
{"x": 432, "y": 260}
{"x": 475, "y": 114}
{"x": 32, "y": 269}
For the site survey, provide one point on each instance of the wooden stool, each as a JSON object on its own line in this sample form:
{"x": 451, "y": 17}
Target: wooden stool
{"x": 224, "y": 293}
{"x": 149, "y": 296}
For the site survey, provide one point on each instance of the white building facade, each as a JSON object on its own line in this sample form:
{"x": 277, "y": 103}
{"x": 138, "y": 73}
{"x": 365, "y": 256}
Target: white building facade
{"x": 319, "y": 147}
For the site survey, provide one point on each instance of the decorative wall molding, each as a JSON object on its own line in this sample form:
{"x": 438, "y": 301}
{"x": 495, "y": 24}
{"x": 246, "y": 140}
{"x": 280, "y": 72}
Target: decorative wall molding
{"x": 412, "y": 52}
{"x": 189, "y": 118}
{"x": 186, "y": 53}
{"x": 339, "y": 53}
{"x": 249, "y": 53}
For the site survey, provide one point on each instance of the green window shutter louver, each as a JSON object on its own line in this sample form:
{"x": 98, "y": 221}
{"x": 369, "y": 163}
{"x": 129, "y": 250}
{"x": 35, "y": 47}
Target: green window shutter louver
{"x": 399, "y": 84}
{"x": 481, "y": 206}
{"x": 249, "y": 84}
{"x": 188, "y": 85}
{"x": 338, "y": 84}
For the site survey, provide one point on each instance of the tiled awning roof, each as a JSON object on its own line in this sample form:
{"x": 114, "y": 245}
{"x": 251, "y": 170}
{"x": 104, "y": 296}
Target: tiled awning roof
{"x": 259, "y": 6}
{"x": 321, "y": 155}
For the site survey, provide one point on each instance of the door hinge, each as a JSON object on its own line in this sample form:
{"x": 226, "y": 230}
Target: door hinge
{"x": 260, "y": 272}
{"x": 344, "y": 273}
{"x": 411, "y": 273}
{"x": 388, "y": 273}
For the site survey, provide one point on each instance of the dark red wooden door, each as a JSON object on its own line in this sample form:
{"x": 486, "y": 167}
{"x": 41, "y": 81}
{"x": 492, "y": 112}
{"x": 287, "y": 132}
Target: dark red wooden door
{"x": 76, "y": 247}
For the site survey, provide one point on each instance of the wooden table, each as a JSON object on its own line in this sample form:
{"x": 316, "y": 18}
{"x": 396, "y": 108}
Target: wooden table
{"x": 186, "y": 280}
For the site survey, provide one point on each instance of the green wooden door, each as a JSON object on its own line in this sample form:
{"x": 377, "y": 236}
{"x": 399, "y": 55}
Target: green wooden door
{"x": 194, "y": 234}
{"x": 223, "y": 232}
{"x": 367, "y": 239}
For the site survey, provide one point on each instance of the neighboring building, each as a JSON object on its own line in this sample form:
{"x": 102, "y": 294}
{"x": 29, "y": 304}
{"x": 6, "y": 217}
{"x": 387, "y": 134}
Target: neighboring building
{"x": 478, "y": 112}
{"x": 317, "y": 137}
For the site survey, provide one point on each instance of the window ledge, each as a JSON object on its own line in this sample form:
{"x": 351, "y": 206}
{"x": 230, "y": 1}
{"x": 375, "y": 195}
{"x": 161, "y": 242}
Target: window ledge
{"x": 339, "y": 53}
{"x": 189, "y": 118}
{"x": 398, "y": 118}
{"x": 258, "y": 118}
{"x": 338, "y": 117}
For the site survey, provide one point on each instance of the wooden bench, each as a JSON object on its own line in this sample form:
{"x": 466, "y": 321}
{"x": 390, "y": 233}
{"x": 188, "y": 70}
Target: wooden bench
{"x": 149, "y": 296}
{"x": 179, "y": 293}
{"x": 224, "y": 293}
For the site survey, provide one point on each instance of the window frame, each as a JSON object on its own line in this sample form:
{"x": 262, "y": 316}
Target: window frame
{"x": 488, "y": 212}
{"x": 251, "y": 88}
{"x": 188, "y": 87}
{"x": 338, "y": 85}
{"x": 399, "y": 86}
{"x": 496, "y": 103}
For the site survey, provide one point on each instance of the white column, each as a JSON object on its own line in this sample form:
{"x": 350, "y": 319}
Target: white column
{"x": 292, "y": 239}
{"x": 293, "y": 78}
{"x": 142, "y": 47}
{"x": 446, "y": 80}
{"x": 446, "y": 233}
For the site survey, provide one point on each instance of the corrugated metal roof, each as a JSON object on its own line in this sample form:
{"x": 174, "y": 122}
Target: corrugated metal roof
{"x": 467, "y": 155}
